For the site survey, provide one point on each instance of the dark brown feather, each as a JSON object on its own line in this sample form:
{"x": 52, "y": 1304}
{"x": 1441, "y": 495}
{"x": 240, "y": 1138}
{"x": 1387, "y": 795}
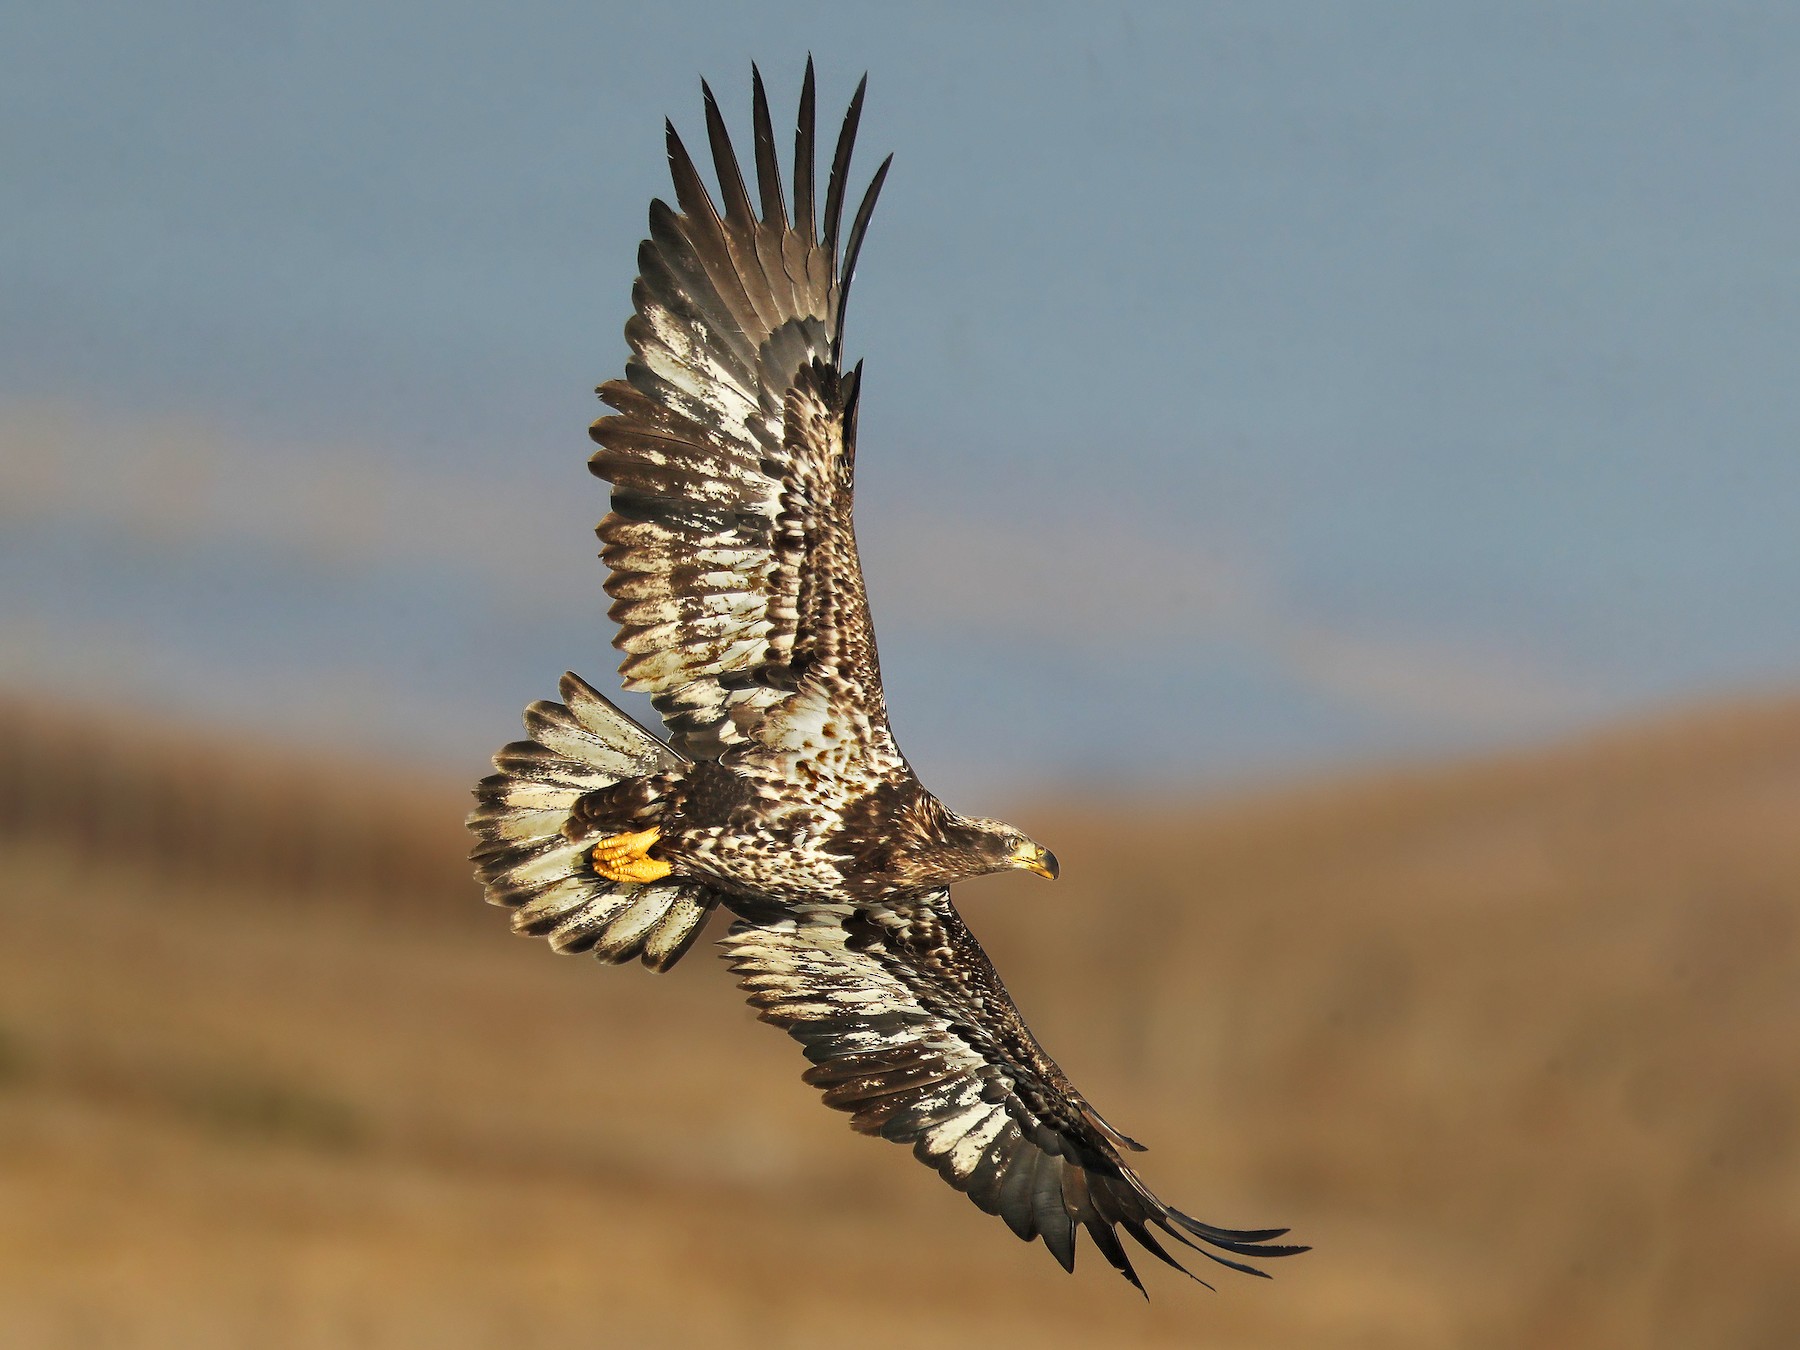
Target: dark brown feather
{"x": 768, "y": 170}
{"x": 805, "y": 128}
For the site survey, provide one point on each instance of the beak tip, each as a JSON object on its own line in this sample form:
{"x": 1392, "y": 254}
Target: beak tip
{"x": 1047, "y": 865}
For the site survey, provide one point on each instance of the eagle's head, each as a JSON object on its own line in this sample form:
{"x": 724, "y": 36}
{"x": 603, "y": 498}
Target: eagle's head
{"x": 973, "y": 846}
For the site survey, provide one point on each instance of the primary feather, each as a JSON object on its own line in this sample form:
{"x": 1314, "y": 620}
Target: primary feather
{"x": 781, "y": 793}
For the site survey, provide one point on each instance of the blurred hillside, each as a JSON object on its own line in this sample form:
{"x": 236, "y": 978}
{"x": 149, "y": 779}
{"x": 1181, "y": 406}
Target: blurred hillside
{"x": 1512, "y": 1044}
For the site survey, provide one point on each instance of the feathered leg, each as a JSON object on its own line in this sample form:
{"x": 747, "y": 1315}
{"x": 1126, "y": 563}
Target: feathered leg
{"x": 625, "y": 815}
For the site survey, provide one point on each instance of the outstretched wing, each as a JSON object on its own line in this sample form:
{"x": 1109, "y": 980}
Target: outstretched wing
{"x": 909, "y": 1028}
{"x": 738, "y": 591}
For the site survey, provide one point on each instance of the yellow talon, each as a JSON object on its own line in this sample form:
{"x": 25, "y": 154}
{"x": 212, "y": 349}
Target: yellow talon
{"x": 626, "y": 857}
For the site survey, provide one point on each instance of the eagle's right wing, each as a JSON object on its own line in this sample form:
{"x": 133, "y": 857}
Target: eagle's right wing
{"x": 909, "y": 1029}
{"x": 738, "y": 591}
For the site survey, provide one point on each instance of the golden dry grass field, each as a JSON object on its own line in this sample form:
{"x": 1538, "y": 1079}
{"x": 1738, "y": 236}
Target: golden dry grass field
{"x": 1513, "y": 1044}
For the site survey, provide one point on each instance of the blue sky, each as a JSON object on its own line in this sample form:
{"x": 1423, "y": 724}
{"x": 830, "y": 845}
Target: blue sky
{"x": 1250, "y": 387}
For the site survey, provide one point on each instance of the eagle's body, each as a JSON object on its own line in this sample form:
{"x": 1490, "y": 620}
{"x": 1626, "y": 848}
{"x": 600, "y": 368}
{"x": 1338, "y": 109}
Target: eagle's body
{"x": 780, "y": 792}
{"x": 779, "y": 826}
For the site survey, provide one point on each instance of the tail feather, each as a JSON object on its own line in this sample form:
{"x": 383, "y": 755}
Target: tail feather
{"x": 528, "y": 865}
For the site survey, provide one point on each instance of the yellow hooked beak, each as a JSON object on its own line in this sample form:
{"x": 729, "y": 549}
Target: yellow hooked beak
{"x": 1030, "y": 857}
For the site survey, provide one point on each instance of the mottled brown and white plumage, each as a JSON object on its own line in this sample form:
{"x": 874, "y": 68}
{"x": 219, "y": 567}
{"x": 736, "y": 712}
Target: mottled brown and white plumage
{"x": 780, "y": 792}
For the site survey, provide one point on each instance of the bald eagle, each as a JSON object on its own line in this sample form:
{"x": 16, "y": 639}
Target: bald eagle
{"x": 780, "y": 793}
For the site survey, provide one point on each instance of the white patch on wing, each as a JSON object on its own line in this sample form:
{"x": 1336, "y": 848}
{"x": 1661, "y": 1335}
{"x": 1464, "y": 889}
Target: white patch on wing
{"x": 966, "y": 1151}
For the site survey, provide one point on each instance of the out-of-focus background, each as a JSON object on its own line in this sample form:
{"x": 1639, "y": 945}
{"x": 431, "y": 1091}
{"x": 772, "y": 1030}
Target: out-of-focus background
{"x": 1329, "y": 471}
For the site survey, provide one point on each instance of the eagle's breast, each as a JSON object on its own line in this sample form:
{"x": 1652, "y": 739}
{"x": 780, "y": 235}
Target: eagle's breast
{"x": 756, "y": 836}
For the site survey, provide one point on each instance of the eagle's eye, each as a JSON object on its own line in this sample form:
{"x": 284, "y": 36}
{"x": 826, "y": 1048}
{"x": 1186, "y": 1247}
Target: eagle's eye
{"x": 1030, "y": 856}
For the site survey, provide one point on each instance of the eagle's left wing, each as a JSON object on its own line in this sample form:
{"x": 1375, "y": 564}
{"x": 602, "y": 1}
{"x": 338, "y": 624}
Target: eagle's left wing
{"x": 910, "y": 1030}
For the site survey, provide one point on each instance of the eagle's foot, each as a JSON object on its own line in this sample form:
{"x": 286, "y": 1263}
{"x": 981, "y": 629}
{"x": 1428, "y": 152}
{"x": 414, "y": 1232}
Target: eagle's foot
{"x": 626, "y": 857}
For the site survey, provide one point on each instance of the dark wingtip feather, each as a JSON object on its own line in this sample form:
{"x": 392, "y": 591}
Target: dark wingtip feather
{"x": 1101, "y": 1232}
{"x": 805, "y": 129}
{"x": 1147, "y": 1240}
{"x": 732, "y": 192}
{"x": 1244, "y": 1241}
{"x": 1239, "y": 1266}
{"x": 690, "y": 192}
{"x": 853, "y": 249}
{"x": 840, "y": 170}
{"x": 768, "y": 171}
{"x": 1189, "y": 1243}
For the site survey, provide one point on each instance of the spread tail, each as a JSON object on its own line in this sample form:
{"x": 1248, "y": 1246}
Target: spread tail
{"x": 527, "y": 863}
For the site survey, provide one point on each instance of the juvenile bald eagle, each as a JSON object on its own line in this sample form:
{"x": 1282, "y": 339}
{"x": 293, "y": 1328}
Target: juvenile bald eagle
{"x": 780, "y": 792}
